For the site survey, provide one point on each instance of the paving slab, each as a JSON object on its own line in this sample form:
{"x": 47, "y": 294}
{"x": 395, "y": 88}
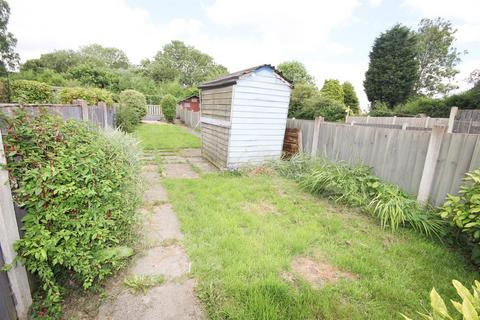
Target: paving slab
{"x": 163, "y": 225}
{"x": 171, "y": 261}
{"x": 180, "y": 170}
{"x": 191, "y": 152}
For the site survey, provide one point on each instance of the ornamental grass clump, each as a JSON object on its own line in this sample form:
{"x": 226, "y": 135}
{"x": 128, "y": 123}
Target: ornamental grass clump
{"x": 356, "y": 186}
{"x": 79, "y": 189}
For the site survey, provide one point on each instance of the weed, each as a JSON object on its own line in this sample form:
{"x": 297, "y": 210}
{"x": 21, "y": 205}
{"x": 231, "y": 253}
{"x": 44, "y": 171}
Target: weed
{"x": 141, "y": 284}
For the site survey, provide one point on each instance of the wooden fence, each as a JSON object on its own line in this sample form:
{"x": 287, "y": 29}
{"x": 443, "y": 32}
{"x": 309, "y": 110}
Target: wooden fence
{"x": 99, "y": 115}
{"x": 397, "y": 122}
{"x": 428, "y": 164}
{"x": 190, "y": 118}
{"x": 154, "y": 113}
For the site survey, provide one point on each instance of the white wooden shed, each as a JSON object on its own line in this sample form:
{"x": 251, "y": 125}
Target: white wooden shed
{"x": 243, "y": 116}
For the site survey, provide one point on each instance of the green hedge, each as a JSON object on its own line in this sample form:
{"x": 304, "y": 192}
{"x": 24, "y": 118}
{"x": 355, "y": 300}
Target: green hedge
{"x": 28, "y": 91}
{"x": 80, "y": 193}
{"x": 133, "y": 107}
{"x": 169, "y": 107}
{"x": 91, "y": 95}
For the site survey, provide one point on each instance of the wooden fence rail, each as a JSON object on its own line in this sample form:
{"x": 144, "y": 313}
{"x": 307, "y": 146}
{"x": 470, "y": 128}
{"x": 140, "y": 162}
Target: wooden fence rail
{"x": 411, "y": 159}
{"x": 154, "y": 113}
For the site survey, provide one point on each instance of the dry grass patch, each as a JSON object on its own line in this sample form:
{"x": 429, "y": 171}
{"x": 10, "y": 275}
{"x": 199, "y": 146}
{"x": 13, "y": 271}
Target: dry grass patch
{"x": 261, "y": 208}
{"x": 318, "y": 274}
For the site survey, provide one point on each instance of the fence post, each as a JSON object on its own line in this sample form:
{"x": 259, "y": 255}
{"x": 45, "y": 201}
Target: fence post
{"x": 346, "y": 117}
{"x": 316, "y": 133}
{"x": 428, "y": 173}
{"x": 103, "y": 105}
{"x": 17, "y": 275}
{"x": 404, "y": 126}
{"x": 427, "y": 122}
{"x": 394, "y": 119}
{"x": 368, "y": 119}
{"x": 451, "y": 119}
{"x": 84, "y": 106}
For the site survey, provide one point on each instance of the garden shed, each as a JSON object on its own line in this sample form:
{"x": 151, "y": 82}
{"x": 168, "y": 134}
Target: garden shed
{"x": 243, "y": 116}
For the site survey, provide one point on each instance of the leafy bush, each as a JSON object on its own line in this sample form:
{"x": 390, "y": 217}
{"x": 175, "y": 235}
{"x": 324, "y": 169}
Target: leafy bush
{"x": 356, "y": 186}
{"x": 333, "y": 90}
{"x": 463, "y": 211}
{"x": 95, "y": 76}
{"x": 380, "y": 109}
{"x": 169, "y": 107}
{"x": 318, "y": 105}
{"x": 91, "y": 95}
{"x": 469, "y": 308}
{"x": 47, "y": 76}
{"x": 133, "y": 107}
{"x": 80, "y": 193}
{"x": 4, "y": 96}
{"x": 27, "y": 91}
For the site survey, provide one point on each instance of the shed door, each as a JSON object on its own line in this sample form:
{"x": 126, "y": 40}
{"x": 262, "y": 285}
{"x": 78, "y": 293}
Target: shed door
{"x": 7, "y": 308}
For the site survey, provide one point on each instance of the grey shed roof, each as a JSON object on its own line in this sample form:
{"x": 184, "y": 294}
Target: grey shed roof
{"x": 232, "y": 78}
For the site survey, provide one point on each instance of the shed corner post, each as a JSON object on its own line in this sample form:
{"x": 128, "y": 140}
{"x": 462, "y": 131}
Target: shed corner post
{"x": 451, "y": 119}
{"x": 429, "y": 168}
{"x": 316, "y": 133}
{"x": 17, "y": 275}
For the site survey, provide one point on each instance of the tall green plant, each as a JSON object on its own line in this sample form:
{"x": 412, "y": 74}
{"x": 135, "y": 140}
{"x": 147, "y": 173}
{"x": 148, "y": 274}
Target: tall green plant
{"x": 169, "y": 107}
{"x": 80, "y": 193}
{"x": 133, "y": 107}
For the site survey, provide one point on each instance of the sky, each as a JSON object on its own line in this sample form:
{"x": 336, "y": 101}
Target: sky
{"x": 332, "y": 38}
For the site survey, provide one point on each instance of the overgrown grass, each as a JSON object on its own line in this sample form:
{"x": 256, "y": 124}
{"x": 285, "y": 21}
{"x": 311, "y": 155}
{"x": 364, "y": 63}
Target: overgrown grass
{"x": 355, "y": 186}
{"x": 242, "y": 233}
{"x": 166, "y": 136}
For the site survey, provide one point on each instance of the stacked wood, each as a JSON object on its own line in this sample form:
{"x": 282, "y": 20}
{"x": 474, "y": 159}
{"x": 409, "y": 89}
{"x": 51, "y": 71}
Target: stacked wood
{"x": 292, "y": 142}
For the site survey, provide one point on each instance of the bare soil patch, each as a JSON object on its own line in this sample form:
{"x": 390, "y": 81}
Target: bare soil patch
{"x": 318, "y": 274}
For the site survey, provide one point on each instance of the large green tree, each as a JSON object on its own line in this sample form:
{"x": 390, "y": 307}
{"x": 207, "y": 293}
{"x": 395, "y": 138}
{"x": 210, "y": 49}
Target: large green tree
{"x": 332, "y": 89}
{"x": 350, "y": 98}
{"x": 393, "y": 69}
{"x": 59, "y": 61}
{"x": 104, "y": 56}
{"x": 9, "y": 58}
{"x": 300, "y": 94}
{"x": 178, "y": 61}
{"x": 436, "y": 56}
{"x": 295, "y": 72}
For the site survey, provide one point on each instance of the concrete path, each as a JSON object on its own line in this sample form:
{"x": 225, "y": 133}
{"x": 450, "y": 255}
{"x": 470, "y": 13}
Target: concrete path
{"x": 162, "y": 253}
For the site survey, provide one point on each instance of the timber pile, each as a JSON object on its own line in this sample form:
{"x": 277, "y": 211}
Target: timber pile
{"x": 292, "y": 143}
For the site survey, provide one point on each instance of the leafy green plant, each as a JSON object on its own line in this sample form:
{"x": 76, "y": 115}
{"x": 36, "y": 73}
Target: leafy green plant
{"x": 469, "y": 308}
{"x": 463, "y": 211}
{"x": 133, "y": 107}
{"x": 357, "y": 187}
{"x": 141, "y": 284}
{"x": 169, "y": 105}
{"x": 27, "y": 91}
{"x": 80, "y": 193}
{"x": 91, "y": 95}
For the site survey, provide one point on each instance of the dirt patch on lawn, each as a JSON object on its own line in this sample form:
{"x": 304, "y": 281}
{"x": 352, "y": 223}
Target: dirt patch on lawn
{"x": 261, "y": 208}
{"x": 318, "y": 274}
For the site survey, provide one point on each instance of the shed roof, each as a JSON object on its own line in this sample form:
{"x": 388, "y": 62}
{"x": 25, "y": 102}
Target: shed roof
{"x": 232, "y": 78}
{"x": 189, "y": 97}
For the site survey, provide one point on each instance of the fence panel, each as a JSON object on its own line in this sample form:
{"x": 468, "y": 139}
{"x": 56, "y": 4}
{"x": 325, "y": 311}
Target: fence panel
{"x": 7, "y": 307}
{"x": 306, "y": 126}
{"x": 467, "y": 121}
{"x": 421, "y": 122}
{"x": 154, "y": 113}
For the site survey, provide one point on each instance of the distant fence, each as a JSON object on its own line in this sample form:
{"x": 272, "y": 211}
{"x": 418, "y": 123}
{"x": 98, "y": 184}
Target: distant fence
{"x": 154, "y": 113}
{"x": 466, "y": 121}
{"x": 398, "y": 122}
{"x": 99, "y": 115}
{"x": 429, "y": 164}
{"x": 190, "y": 118}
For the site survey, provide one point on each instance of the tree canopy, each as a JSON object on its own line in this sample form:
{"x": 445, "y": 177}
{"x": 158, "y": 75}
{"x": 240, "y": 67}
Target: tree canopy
{"x": 436, "y": 56}
{"x": 9, "y": 58}
{"x": 178, "y": 61}
{"x": 350, "y": 98}
{"x": 104, "y": 56}
{"x": 333, "y": 90}
{"x": 393, "y": 69}
{"x": 295, "y": 72}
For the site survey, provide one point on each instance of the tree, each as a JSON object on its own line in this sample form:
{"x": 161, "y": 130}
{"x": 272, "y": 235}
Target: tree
{"x": 332, "y": 89}
{"x": 437, "y": 57}
{"x": 295, "y": 72}
{"x": 350, "y": 98}
{"x": 300, "y": 93}
{"x": 318, "y": 105}
{"x": 475, "y": 77}
{"x": 92, "y": 76}
{"x": 184, "y": 63}
{"x": 104, "y": 56}
{"x": 393, "y": 69}
{"x": 9, "y": 58}
{"x": 59, "y": 61}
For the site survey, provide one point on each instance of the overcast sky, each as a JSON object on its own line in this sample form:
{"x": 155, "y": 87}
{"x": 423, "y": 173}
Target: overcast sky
{"x": 332, "y": 38}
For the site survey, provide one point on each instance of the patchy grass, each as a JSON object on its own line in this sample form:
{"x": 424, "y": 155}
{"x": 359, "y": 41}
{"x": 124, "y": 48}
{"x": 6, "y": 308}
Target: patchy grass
{"x": 243, "y": 257}
{"x": 166, "y": 137}
{"x": 141, "y": 284}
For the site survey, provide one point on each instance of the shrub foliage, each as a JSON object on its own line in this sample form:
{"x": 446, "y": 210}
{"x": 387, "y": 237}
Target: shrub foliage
{"x": 27, "y": 91}
{"x": 79, "y": 191}
{"x": 91, "y": 95}
{"x": 169, "y": 105}
{"x": 133, "y": 107}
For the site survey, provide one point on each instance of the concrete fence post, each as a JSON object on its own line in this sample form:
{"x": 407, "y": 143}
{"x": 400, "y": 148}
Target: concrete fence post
{"x": 404, "y": 126}
{"x": 316, "y": 133}
{"x": 368, "y": 119}
{"x": 427, "y": 122}
{"x": 451, "y": 119}
{"x": 103, "y": 105}
{"x": 346, "y": 117}
{"x": 17, "y": 275}
{"x": 394, "y": 119}
{"x": 83, "y": 105}
{"x": 428, "y": 173}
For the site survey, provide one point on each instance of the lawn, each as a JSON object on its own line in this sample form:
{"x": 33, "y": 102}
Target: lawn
{"x": 166, "y": 137}
{"x": 242, "y": 233}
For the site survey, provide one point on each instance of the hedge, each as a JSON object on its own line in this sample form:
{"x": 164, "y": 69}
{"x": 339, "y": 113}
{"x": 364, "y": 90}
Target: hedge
{"x": 28, "y": 91}
{"x": 91, "y": 95}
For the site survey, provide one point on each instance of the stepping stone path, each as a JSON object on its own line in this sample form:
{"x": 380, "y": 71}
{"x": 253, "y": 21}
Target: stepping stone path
{"x": 163, "y": 253}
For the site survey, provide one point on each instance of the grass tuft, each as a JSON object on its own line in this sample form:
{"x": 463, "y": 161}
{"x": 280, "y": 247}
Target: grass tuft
{"x": 141, "y": 284}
